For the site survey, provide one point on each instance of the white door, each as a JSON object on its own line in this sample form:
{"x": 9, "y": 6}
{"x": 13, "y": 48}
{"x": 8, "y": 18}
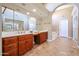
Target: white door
{"x": 63, "y": 28}
{"x": 75, "y": 22}
{"x": 75, "y": 28}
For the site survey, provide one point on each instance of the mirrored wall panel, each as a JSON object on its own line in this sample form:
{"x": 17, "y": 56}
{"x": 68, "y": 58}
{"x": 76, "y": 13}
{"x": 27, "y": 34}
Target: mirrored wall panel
{"x": 7, "y": 15}
{"x": 16, "y": 21}
{"x": 20, "y": 21}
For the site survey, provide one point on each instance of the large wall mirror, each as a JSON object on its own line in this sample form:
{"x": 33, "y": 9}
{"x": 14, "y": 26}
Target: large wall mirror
{"x": 7, "y": 15}
{"x": 20, "y": 21}
{"x": 16, "y": 21}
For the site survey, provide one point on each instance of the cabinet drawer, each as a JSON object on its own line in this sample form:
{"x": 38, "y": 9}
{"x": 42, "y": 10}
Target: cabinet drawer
{"x": 9, "y": 40}
{"x": 30, "y": 36}
{"x": 27, "y": 40}
{"x": 22, "y": 52}
{"x": 12, "y": 52}
{"x": 10, "y": 47}
{"x": 21, "y": 38}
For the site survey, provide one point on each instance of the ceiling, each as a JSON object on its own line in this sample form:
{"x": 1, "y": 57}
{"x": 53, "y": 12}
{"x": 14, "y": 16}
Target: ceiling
{"x": 51, "y": 6}
{"x": 64, "y": 6}
{"x": 42, "y": 10}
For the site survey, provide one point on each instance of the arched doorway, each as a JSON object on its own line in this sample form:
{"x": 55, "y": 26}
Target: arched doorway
{"x": 68, "y": 26}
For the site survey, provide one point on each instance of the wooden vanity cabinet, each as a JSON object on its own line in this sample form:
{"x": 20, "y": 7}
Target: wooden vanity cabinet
{"x": 19, "y": 45}
{"x": 41, "y": 37}
{"x": 29, "y": 42}
{"x": 10, "y": 46}
{"x": 21, "y": 48}
{"x": 25, "y": 43}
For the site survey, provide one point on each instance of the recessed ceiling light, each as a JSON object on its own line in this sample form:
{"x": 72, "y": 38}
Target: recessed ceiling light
{"x": 28, "y": 13}
{"x": 34, "y": 10}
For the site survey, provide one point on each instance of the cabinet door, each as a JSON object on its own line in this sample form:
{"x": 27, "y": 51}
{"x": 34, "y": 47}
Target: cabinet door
{"x": 12, "y": 52}
{"x": 30, "y": 36}
{"x": 29, "y": 42}
{"x": 22, "y": 47}
{"x": 42, "y": 37}
{"x": 10, "y": 47}
{"x": 9, "y": 40}
{"x": 21, "y": 38}
{"x": 8, "y": 44}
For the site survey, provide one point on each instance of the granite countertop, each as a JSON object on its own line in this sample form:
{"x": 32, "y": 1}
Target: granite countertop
{"x": 16, "y": 33}
{"x": 9, "y": 34}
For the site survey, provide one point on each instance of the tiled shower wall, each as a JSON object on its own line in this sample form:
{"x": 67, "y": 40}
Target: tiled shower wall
{"x": 45, "y": 24}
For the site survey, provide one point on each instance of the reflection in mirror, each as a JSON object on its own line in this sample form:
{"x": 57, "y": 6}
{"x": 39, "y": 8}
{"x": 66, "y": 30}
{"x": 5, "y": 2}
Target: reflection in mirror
{"x": 16, "y": 21}
{"x": 7, "y": 15}
{"x": 32, "y": 24}
{"x": 20, "y": 22}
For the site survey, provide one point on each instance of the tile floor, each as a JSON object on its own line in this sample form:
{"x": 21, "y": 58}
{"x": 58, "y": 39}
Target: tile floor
{"x": 58, "y": 47}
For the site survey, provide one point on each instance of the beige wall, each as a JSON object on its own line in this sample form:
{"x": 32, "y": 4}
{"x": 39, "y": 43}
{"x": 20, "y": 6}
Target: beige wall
{"x": 64, "y": 12}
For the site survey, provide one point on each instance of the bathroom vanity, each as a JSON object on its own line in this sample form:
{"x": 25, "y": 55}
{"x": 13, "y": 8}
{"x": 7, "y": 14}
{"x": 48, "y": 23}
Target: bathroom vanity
{"x": 17, "y": 45}
{"x": 40, "y": 37}
{"x": 10, "y": 46}
{"x": 25, "y": 43}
